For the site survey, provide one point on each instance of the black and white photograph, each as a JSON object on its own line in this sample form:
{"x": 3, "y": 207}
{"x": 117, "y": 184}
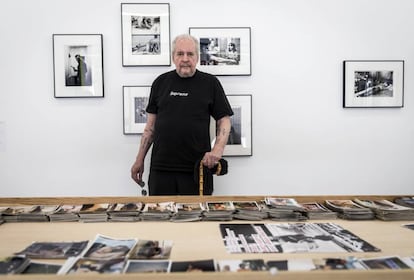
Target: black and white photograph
{"x": 94, "y": 266}
{"x": 142, "y": 25}
{"x": 373, "y": 83}
{"x": 224, "y": 51}
{"x": 219, "y": 51}
{"x": 291, "y": 238}
{"x": 389, "y": 262}
{"x": 193, "y": 266}
{"x": 135, "y": 102}
{"x": 53, "y": 250}
{"x": 146, "y": 45}
{"x": 145, "y": 34}
{"x": 78, "y": 65}
{"x": 240, "y": 138}
{"x": 147, "y": 266}
{"x": 241, "y": 265}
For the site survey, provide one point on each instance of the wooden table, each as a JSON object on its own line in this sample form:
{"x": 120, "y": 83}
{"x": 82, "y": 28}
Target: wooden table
{"x": 202, "y": 240}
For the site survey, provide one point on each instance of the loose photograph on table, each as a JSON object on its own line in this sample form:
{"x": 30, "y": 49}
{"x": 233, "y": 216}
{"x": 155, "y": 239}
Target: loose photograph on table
{"x": 78, "y": 65}
{"x": 145, "y": 34}
{"x": 224, "y": 51}
{"x": 135, "y": 102}
{"x": 291, "y": 238}
{"x": 376, "y": 83}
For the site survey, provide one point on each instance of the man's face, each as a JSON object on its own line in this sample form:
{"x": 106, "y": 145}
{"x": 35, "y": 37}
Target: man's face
{"x": 185, "y": 58}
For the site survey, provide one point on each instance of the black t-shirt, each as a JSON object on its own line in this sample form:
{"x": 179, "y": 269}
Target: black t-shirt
{"x": 183, "y": 107}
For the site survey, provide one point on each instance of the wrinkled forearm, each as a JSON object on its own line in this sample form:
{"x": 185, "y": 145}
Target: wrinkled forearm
{"x": 222, "y": 134}
{"x": 147, "y": 138}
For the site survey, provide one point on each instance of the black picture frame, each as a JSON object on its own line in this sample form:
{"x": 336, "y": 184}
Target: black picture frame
{"x": 224, "y": 51}
{"x": 135, "y": 101}
{"x": 373, "y": 83}
{"x": 240, "y": 138}
{"x": 78, "y": 65}
{"x": 145, "y": 30}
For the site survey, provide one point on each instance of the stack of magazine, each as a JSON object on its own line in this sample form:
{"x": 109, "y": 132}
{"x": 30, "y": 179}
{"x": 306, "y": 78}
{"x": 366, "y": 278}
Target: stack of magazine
{"x": 405, "y": 201}
{"x": 284, "y": 209}
{"x": 13, "y": 214}
{"x": 188, "y": 212}
{"x": 158, "y": 211}
{"x": 316, "y": 211}
{"x": 249, "y": 210}
{"x": 349, "y": 210}
{"x": 94, "y": 212}
{"x": 219, "y": 211}
{"x": 386, "y": 210}
{"x": 66, "y": 213}
{"x": 39, "y": 213}
{"x": 125, "y": 212}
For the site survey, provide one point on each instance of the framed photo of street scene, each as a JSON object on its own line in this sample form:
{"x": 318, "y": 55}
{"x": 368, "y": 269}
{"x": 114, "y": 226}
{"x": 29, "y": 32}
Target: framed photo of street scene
{"x": 224, "y": 51}
{"x": 373, "y": 83}
{"x": 145, "y": 34}
{"x": 135, "y": 102}
{"x": 78, "y": 65}
{"x": 240, "y": 138}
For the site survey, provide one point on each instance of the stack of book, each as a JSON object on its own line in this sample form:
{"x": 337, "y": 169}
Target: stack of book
{"x": 316, "y": 211}
{"x": 158, "y": 211}
{"x": 188, "y": 212}
{"x": 66, "y": 213}
{"x": 94, "y": 212}
{"x": 349, "y": 210}
{"x": 249, "y": 210}
{"x": 125, "y": 212}
{"x": 386, "y": 210}
{"x": 284, "y": 209}
{"x": 219, "y": 211}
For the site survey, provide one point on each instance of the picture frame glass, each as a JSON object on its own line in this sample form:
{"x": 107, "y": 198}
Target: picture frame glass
{"x": 145, "y": 34}
{"x": 224, "y": 51}
{"x": 135, "y": 101}
{"x": 240, "y": 138}
{"x": 78, "y": 65}
{"x": 373, "y": 83}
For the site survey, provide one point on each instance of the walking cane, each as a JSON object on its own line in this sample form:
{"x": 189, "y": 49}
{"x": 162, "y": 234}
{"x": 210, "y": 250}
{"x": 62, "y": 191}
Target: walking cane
{"x": 201, "y": 175}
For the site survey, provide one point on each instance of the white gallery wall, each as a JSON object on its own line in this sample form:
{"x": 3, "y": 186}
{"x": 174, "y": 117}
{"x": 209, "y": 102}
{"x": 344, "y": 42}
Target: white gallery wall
{"x": 304, "y": 142}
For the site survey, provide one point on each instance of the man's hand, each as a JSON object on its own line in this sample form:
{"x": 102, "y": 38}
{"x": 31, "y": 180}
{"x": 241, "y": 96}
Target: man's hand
{"x": 137, "y": 170}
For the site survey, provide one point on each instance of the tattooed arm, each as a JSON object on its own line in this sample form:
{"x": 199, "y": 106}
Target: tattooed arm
{"x": 210, "y": 159}
{"x": 137, "y": 168}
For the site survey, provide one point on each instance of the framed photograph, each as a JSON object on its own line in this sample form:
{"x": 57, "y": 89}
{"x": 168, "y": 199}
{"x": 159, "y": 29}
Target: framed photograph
{"x": 78, "y": 65}
{"x": 240, "y": 139}
{"x": 145, "y": 34}
{"x": 135, "y": 103}
{"x": 373, "y": 83}
{"x": 224, "y": 51}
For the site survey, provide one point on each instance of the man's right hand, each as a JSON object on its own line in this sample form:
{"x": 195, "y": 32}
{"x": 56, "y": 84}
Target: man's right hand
{"x": 137, "y": 170}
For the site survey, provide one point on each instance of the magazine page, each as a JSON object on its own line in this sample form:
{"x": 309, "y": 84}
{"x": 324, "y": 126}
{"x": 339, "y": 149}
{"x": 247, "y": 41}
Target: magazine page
{"x": 104, "y": 248}
{"x": 151, "y": 249}
{"x": 53, "y": 250}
